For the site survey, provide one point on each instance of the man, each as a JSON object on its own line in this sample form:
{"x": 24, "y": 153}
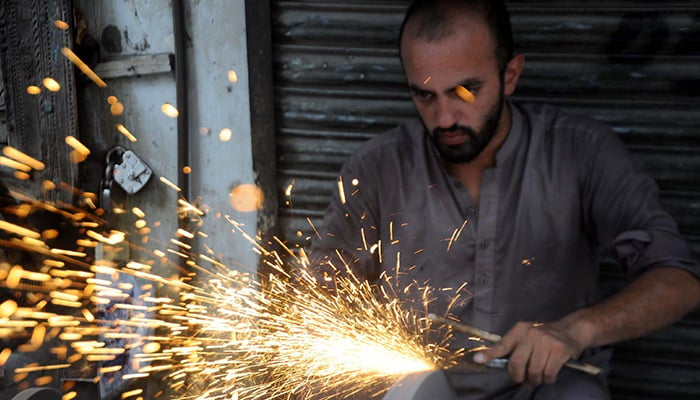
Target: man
{"x": 512, "y": 206}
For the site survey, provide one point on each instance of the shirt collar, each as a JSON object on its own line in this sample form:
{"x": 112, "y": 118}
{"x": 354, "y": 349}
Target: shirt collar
{"x": 516, "y": 125}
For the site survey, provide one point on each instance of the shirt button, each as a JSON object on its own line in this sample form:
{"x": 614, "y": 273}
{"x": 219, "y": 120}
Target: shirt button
{"x": 484, "y": 280}
{"x": 484, "y": 244}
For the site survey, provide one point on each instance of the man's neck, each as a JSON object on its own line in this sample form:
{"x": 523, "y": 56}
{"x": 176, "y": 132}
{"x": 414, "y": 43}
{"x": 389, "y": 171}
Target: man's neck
{"x": 470, "y": 173}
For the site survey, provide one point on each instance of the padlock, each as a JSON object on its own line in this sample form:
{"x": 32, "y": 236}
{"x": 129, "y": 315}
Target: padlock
{"x": 132, "y": 173}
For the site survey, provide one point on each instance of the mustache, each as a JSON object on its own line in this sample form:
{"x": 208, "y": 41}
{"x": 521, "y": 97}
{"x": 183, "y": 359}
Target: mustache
{"x": 465, "y": 130}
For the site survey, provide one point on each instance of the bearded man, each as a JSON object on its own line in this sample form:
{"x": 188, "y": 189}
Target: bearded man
{"x": 513, "y": 205}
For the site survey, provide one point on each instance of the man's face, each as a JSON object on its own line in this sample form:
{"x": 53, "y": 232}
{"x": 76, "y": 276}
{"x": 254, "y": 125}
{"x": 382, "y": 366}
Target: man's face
{"x": 434, "y": 70}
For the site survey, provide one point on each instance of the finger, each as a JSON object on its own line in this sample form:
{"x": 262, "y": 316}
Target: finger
{"x": 500, "y": 349}
{"x": 536, "y": 367}
{"x": 518, "y": 363}
{"x": 504, "y": 346}
{"x": 553, "y": 367}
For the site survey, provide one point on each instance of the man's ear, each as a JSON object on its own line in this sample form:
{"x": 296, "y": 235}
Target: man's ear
{"x": 512, "y": 74}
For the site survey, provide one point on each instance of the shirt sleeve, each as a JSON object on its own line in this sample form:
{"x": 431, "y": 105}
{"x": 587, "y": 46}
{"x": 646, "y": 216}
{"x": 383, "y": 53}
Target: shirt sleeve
{"x": 624, "y": 210}
{"x": 347, "y": 238}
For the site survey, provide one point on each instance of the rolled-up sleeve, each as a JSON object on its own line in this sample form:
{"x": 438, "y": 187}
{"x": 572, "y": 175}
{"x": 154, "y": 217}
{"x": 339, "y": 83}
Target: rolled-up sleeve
{"x": 641, "y": 250}
{"x": 626, "y": 212}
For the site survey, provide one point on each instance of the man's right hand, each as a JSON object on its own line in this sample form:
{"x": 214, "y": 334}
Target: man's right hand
{"x": 537, "y": 352}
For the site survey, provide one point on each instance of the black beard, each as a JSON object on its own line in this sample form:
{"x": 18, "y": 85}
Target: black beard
{"x": 467, "y": 151}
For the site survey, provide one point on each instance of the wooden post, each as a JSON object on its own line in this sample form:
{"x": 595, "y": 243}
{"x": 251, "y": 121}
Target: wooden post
{"x": 30, "y": 44}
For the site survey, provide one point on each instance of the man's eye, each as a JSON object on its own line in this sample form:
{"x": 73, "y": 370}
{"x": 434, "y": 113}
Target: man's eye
{"x": 422, "y": 95}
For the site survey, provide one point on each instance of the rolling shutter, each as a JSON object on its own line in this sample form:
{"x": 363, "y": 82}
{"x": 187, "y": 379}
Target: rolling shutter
{"x": 631, "y": 64}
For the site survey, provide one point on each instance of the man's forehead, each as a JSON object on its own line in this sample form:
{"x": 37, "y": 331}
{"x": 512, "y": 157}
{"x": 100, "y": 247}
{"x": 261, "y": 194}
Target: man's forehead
{"x": 470, "y": 37}
{"x": 419, "y": 29}
{"x": 442, "y": 20}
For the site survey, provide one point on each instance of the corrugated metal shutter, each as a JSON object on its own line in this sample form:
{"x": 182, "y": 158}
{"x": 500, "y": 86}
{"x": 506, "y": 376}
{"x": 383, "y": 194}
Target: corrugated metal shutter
{"x": 632, "y": 64}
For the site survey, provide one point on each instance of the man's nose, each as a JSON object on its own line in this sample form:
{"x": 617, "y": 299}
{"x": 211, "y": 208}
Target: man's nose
{"x": 446, "y": 113}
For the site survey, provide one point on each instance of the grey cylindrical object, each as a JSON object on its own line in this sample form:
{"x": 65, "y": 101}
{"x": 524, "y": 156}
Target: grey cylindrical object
{"x": 38, "y": 394}
{"x": 427, "y": 385}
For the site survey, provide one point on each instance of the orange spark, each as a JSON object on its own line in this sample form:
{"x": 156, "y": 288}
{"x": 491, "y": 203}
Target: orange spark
{"x": 247, "y": 198}
{"x": 181, "y": 244}
{"x": 18, "y": 230}
{"x": 5, "y": 355}
{"x": 61, "y": 24}
{"x": 19, "y": 156}
{"x": 465, "y": 94}
{"x": 70, "y": 253}
{"x": 108, "y": 370}
{"x": 170, "y": 184}
{"x": 21, "y": 175}
{"x": 49, "y": 234}
{"x": 132, "y": 393}
{"x": 80, "y": 151}
{"x": 189, "y": 207}
{"x": 23, "y": 370}
{"x": 151, "y": 347}
{"x": 134, "y": 376}
{"x": 14, "y": 164}
{"x": 288, "y": 190}
{"x": 461, "y": 228}
{"x": 122, "y": 129}
{"x": 51, "y": 84}
{"x": 138, "y": 212}
{"x": 48, "y": 185}
{"x": 116, "y": 108}
{"x": 88, "y": 315}
{"x": 225, "y": 135}
{"x": 7, "y": 308}
{"x": 70, "y": 395}
{"x": 68, "y": 53}
{"x": 169, "y": 110}
{"x": 341, "y": 191}
{"x": 38, "y": 335}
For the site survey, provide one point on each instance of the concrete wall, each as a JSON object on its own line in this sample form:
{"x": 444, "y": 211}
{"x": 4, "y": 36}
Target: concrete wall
{"x": 218, "y": 32}
{"x": 215, "y": 44}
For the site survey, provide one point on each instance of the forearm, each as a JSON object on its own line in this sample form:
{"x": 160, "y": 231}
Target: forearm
{"x": 654, "y": 300}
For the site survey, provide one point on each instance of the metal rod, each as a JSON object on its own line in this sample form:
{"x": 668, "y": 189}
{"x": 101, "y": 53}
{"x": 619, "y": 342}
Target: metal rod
{"x": 460, "y": 327}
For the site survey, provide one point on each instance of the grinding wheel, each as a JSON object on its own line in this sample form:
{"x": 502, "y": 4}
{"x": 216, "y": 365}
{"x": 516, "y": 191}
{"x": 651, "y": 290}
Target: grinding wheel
{"x": 428, "y": 385}
{"x": 38, "y": 394}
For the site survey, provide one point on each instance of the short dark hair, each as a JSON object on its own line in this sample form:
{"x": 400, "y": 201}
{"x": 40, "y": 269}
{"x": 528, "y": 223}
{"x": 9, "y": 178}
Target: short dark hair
{"x": 438, "y": 20}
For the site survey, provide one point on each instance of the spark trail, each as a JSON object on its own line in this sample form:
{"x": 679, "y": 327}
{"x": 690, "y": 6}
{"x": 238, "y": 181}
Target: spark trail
{"x": 210, "y": 333}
